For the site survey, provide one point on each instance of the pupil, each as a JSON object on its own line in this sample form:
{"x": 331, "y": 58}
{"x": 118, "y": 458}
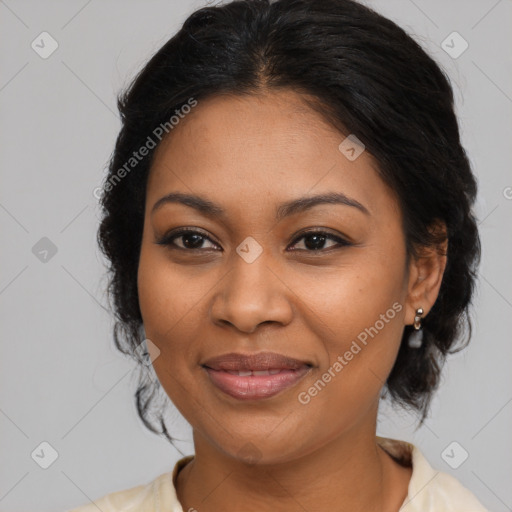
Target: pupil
{"x": 195, "y": 244}
{"x": 315, "y": 246}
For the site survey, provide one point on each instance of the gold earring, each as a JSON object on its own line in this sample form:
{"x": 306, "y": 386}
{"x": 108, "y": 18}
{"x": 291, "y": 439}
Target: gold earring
{"x": 416, "y": 337}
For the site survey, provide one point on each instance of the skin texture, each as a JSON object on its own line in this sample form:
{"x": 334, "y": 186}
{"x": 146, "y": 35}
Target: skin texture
{"x": 248, "y": 155}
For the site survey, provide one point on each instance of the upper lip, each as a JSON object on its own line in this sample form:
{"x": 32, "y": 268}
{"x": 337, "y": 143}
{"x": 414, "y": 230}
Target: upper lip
{"x": 260, "y": 361}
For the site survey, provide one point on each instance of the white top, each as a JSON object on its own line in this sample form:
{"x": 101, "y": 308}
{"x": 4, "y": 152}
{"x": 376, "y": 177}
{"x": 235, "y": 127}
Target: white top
{"x": 429, "y": 490}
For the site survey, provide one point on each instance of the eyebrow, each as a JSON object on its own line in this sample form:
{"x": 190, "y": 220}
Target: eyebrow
{"x": 210, "y": 209}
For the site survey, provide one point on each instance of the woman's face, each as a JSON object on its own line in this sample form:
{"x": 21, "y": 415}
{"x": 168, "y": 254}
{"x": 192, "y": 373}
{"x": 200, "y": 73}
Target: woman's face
{"x": 251, "y": 281}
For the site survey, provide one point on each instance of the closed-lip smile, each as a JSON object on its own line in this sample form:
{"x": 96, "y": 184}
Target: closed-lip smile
{"x": 255, "y": 376}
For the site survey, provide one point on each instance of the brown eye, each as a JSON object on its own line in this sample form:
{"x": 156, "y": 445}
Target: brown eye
{"x": 190, "y": 240}
{"x": 315, "y": 241}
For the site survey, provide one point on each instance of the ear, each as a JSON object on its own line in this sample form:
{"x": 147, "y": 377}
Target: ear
{"x": 426, "y": 274}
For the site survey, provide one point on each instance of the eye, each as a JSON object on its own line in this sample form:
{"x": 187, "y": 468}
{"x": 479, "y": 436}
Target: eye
{"x": 315, "y": 240}
{"x": 191, "y": 239}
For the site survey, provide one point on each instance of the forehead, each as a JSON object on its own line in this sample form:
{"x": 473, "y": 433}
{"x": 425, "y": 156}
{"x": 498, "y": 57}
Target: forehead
{"x": 258, "y": 148}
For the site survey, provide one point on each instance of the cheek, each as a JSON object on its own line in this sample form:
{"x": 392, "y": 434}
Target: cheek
{"x": 167, "y": 316}
{"x": 174, "y": 306}
{"x": 363, "y": 308}
{"x": 353, "y": 297}
{"x": 168, "y": 303}
{"x": 166, "y": 295}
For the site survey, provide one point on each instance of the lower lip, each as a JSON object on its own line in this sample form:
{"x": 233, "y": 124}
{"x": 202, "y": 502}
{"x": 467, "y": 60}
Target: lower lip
{"x": 255, "y": 387}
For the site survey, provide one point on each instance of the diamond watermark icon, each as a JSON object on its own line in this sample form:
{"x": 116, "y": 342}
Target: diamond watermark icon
{"x": 44, "y": 455}
{"x": 351, "y": 147}
{"x": 147, "y": 352}
{"x": 454, "y": 455}
{"x": 454, "y": 45}
{"x": 250, "y": 453}
{"x": 44, "y": 45}
{"x": 249, "y": 249}
{"x": 44, "y": 250}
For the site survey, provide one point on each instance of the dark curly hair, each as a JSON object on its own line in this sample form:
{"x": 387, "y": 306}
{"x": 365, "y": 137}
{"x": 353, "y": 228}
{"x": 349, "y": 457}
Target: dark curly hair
{"x": 364, "y": 75}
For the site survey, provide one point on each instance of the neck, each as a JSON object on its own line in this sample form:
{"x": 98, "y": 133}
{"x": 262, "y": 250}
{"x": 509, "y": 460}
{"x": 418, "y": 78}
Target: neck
{"x": 350, "y": 473}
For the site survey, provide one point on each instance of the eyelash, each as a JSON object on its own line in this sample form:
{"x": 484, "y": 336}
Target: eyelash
{"x": 167, "y": 240}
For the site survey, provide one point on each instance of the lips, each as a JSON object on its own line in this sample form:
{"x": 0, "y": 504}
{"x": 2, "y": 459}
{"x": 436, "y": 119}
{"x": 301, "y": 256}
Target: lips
{"x": 263, "y": 361}
{"x": 258, "y": 373}
{"x": 255, "y": 376}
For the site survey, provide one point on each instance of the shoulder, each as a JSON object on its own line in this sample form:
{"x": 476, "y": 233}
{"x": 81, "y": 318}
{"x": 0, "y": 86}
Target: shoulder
{"x": 438, "y": 490}
{"x": 135, "y": 498}
{"x": 157, "y": 495}
{"x": 429, "y": 489}
{"x": 140, "y": 498}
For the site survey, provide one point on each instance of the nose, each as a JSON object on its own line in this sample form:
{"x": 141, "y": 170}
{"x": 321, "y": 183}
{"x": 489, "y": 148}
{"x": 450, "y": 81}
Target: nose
{"x": 251, "y": 294}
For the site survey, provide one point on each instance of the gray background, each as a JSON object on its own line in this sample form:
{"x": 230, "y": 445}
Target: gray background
{"x": 63, "y": 382}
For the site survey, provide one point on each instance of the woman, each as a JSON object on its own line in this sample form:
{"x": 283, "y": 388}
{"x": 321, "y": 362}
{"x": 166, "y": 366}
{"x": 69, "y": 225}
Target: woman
{"x": 288, "y": 221}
